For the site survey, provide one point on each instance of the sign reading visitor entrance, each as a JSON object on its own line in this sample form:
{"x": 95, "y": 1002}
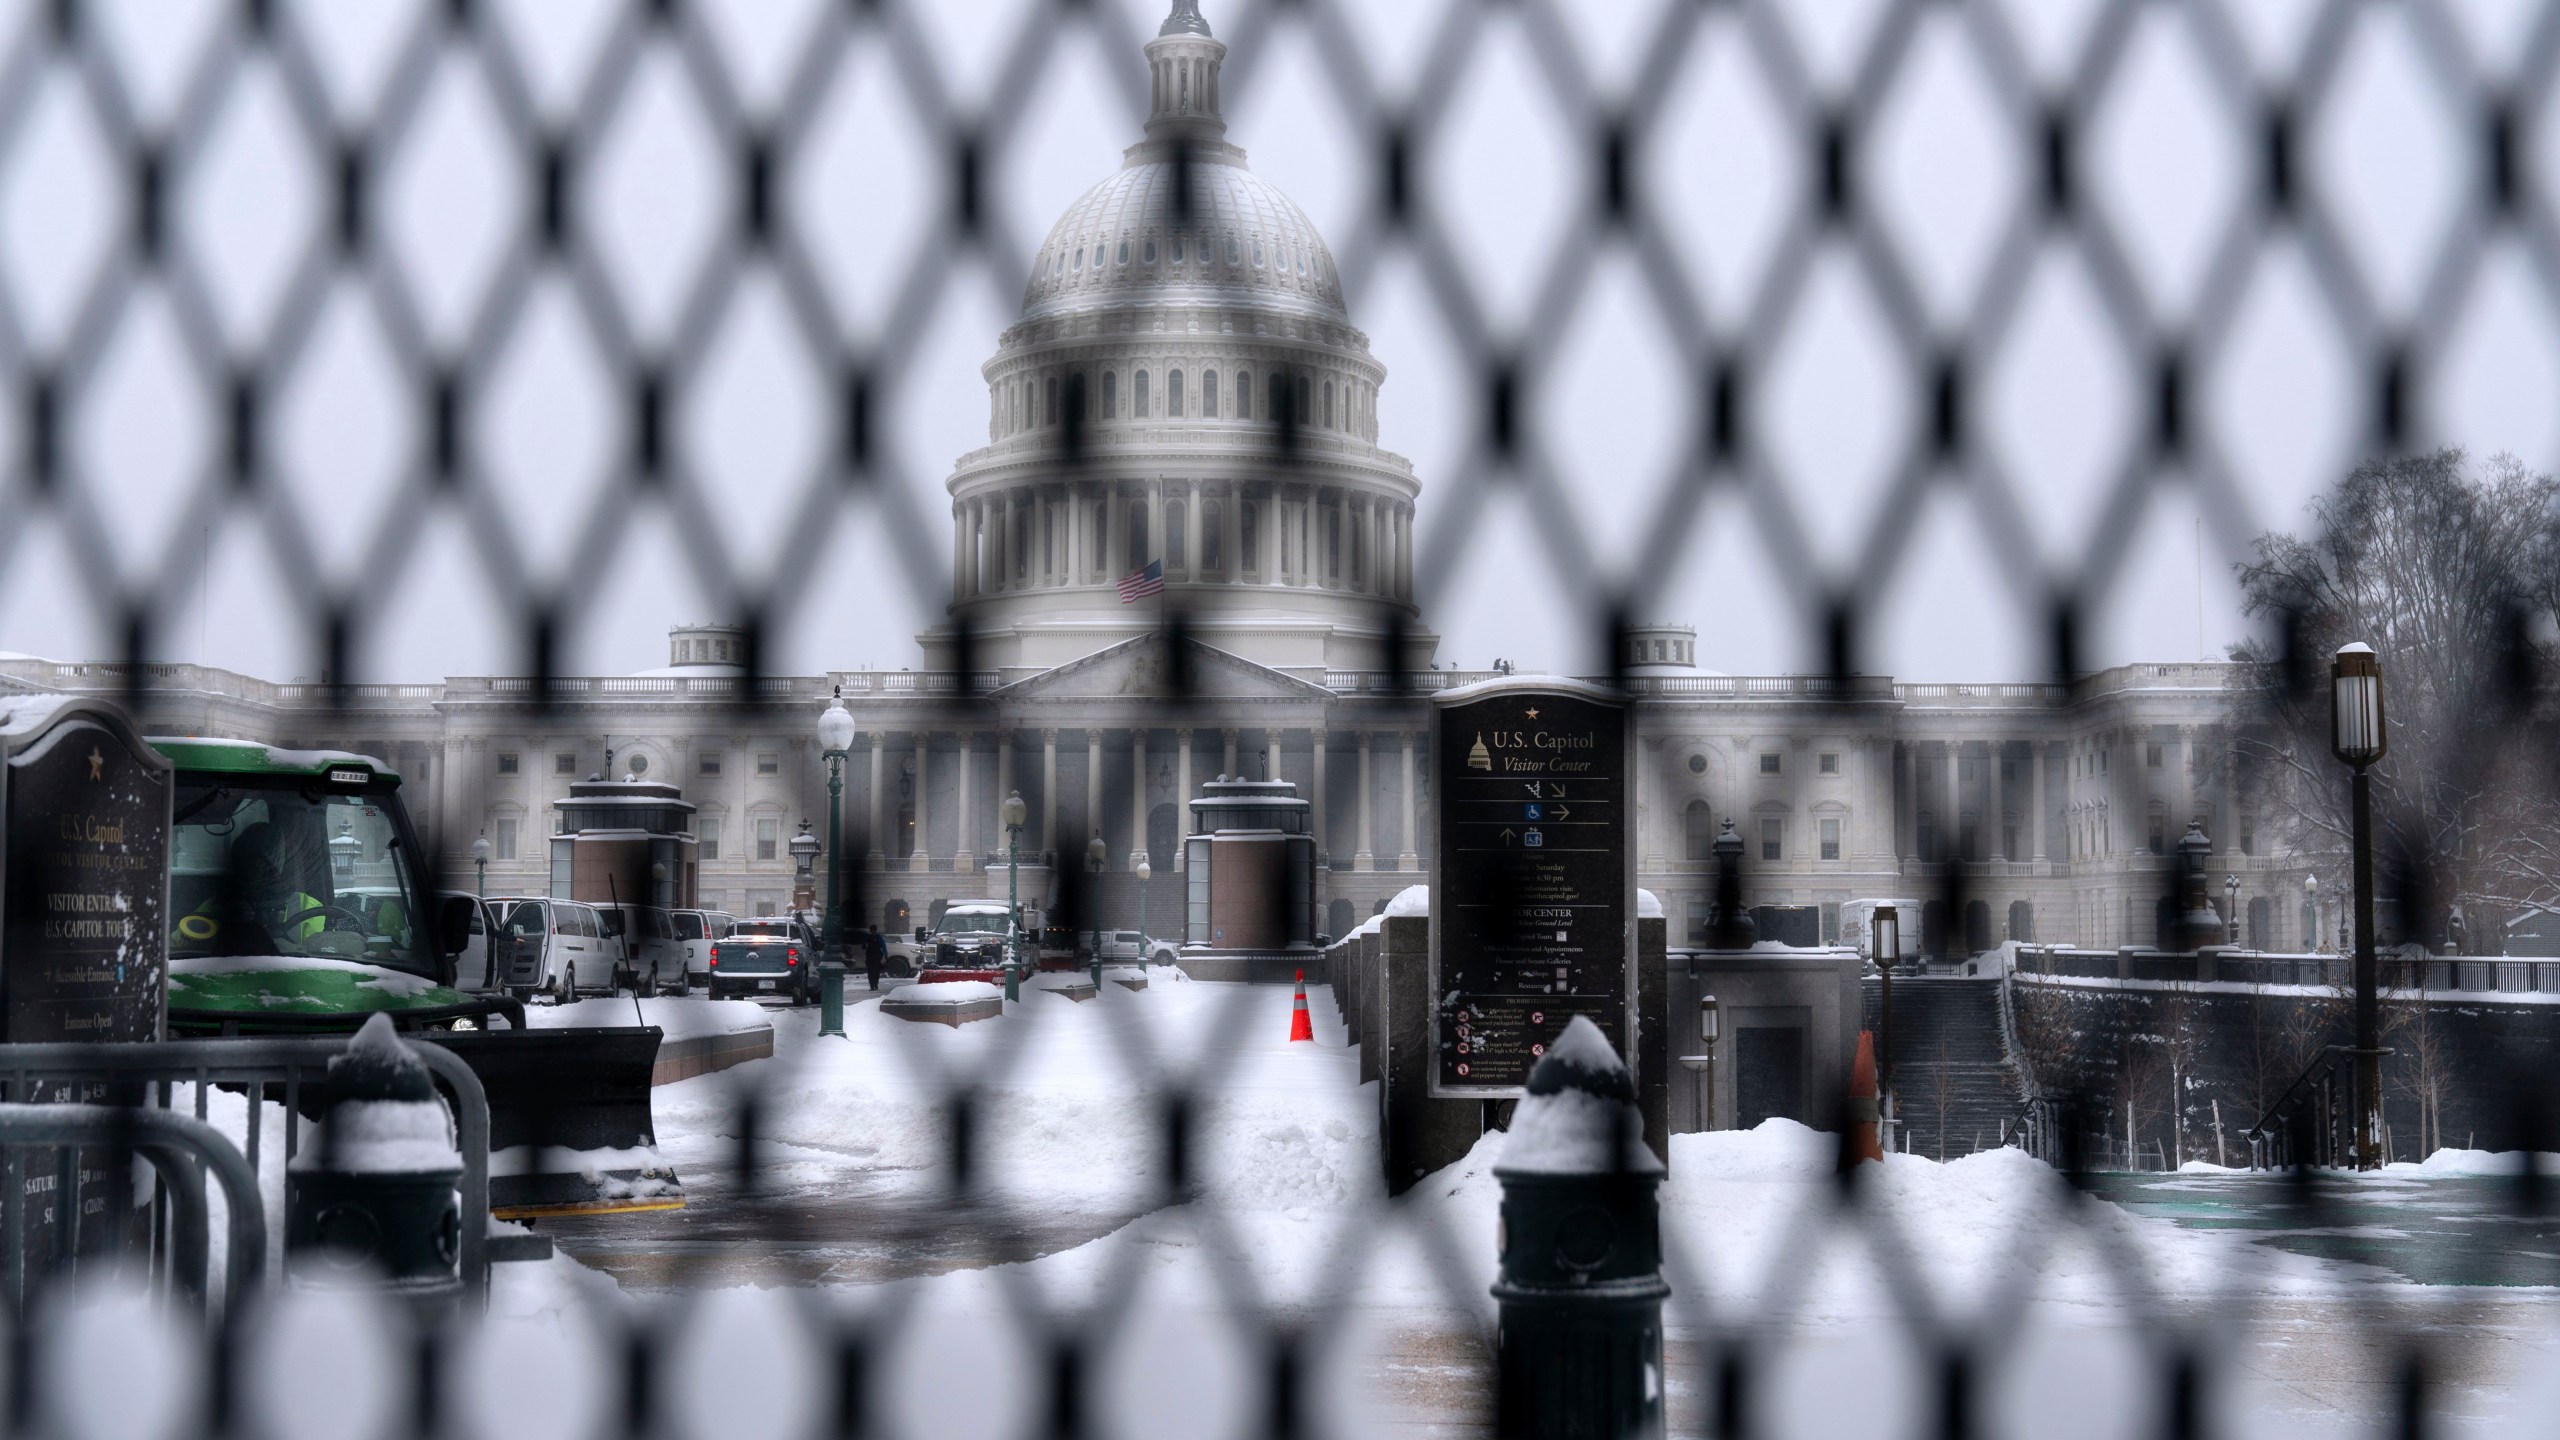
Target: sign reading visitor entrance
{"x": 84, "y": 828}
{"x": 1532, "y": 896}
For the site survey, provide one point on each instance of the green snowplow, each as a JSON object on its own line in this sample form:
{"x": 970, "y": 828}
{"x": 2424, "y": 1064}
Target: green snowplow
{"x": 298, "y": 905}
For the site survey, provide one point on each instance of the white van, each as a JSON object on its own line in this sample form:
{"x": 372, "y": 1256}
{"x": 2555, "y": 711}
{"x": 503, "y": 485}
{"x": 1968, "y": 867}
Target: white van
{"x": 552, "y": 947}
{"x": 1857, "y": 919}
{"x": 695, "y": 932}
{"x": 475, "y": 965}
{"x": 641, "y": 950}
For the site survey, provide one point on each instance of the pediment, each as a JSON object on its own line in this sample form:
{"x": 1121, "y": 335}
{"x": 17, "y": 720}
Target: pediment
{"x": 1143, "y": 668}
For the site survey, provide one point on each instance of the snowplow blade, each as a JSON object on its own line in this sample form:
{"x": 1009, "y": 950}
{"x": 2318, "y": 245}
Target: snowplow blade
{"x": 570, "y": 1131}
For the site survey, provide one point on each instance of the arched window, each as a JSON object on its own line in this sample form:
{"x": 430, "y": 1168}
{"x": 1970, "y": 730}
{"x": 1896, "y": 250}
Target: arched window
{"x": 1333, "y": 542}
{"x": 1279, "y": 397}
{"x": 1173, "y": 536}
{"x": 1257, "y": 254}
{"x": 1231, "y": 249}
{"x": 1306, "y": 400}
{"x": 1209, "y": 394}
{"x": 1150, "y": 256}
{"x": 1124, "y": 252}
{"x": 1079, "y": 259}
{"x": 1053, "y": 399}
{"x": 1110, "y": 395}
{"x": 1098, "y": 252}
{"x": 1213, "y": 535}
{"x": 1177, "y": 247}
{"x": 1245, "y": 533}
{"x": 1173, "y": 394}
{"x": 1138, "y": 396}
{"x": 1328, "y": 404}
{"x": 1244, "y": 394}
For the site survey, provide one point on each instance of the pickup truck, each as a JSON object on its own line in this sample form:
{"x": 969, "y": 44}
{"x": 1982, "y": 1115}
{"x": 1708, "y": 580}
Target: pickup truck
{"x": 769, "y": 955}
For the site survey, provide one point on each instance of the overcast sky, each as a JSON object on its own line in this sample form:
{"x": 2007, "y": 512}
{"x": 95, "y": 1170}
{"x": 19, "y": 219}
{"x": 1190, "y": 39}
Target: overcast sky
{"x": 2164, "y": 161}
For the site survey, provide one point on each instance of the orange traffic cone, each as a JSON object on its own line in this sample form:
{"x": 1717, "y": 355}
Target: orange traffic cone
{"x": 1301, "y": 1027}
{"x": 1862, "y": 1101}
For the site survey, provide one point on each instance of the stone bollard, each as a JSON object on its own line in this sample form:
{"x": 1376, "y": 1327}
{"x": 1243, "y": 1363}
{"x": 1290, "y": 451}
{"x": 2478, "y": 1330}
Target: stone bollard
{"x": 371, "y": 1198}
{"x": 1579, "y": 1351}
{"x": 831, "y": 997}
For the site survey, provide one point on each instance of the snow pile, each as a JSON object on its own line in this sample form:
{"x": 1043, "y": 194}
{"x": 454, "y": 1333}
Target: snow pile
{"x": 1058, "y": 980}
{"x": 681, "y": 1019}
{"x": 1411, "y": 902}
{"x": 1648, "y": 905}
{"x": 2501, "y": 1164}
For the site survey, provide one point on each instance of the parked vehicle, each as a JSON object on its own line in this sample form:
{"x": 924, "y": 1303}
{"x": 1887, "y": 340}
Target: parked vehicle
{"x": 475, "y": 965}
{"x": 971, "y": 935}
{"x": 695, "y": 930}
{"x": 1121, "y": 947}
{"x": 641, "y": 948}
{"x": 764, "y": 955}
{"x": 553, "y": 947}
{"x": 1857, "y": 918}
{"x": 908, "y": 952}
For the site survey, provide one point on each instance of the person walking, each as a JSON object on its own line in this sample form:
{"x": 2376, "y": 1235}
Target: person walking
{"x": 875, "y": 953}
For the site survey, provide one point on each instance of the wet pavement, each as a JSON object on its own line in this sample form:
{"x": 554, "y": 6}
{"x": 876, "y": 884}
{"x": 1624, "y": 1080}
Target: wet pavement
{"x": 811, "y": 1219}
{"x": 2460, "y": 1230}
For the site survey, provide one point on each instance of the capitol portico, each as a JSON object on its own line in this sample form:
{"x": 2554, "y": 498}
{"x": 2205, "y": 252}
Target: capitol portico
{"x": 1173, "y": 339}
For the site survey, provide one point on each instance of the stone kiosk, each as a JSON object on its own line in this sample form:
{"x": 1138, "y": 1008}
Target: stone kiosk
{"x": 1249, "y": 888}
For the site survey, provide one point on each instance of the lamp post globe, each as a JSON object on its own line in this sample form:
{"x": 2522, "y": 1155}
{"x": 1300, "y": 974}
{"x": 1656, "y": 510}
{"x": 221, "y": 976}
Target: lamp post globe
{"x": 2357, "y": 736}
{"x": 835, "y": 741}
{"x": 2311, "y": 898}
{"x": 480, "y": 861}
{"x": 1146, "y": 872}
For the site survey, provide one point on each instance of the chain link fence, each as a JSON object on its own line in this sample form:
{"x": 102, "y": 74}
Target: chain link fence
{"x": 203, "y": 202}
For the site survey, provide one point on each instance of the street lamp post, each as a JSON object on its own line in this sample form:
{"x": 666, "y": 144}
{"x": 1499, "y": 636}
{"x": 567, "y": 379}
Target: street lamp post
{"x": 480, "y": 891}
{"x": 835, "y": 735}
{"x": 1015, "y": 813}
{"x": 2357, "y": 737}
{"x": 2311, "y": 898}
{"x": 2231, "y": 908}
{"x": 1097, "y": 858}
{"x": 1146, "y": 872}
{"x": 1885, "y": 930}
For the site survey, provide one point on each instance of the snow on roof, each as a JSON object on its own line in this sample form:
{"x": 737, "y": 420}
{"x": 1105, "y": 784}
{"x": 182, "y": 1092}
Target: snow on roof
{"x": 1648, "y": 905}
{"x": 1410, "y": 902}
{"x": 27, "y": 714}
{"x": 1459, "y": 694}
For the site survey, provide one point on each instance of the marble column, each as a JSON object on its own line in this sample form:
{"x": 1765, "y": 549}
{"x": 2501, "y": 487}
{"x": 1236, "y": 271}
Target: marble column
{"x": 1181, "y": 798}
{"x": 1048, "y": 793}
{"x": 1316, "y": 739}
{"x": 1951, "y": 819}
{"x": 2039, "y": 756}
{"x": 1230, "y": 737}
{"x": 1138, "y": 798}
{"x": 877, "y": 859}
{"x": 1999, "y": 753}
{"x": 1191, "y": 534}
{"x": 1362, "y": 859}
{"x": 963, "y": 819}
{"x": 922, "y": 858}
{"x": 1410, "y": 858}
{"x": 1906, "y": 802}
{"x": 1092, "y": 789}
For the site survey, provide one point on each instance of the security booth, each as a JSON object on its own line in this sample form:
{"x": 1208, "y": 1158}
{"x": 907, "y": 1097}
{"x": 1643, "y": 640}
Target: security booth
{"x": 627, "y": 844}
{"x": 1250, "y": 863}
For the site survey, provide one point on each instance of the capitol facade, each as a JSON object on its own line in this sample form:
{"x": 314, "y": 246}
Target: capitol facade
{"x": 1185, "y": 389}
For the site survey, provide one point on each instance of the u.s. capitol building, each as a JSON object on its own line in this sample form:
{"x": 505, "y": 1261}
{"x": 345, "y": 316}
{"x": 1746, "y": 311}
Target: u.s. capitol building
{"x": 1163, "y": 357}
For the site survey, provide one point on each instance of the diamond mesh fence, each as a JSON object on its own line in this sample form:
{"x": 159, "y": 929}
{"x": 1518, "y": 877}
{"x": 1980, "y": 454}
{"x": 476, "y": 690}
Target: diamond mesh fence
{"x": 543, "y": 236}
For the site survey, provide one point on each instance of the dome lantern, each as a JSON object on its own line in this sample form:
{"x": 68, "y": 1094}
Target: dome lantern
{"x": 1184, "y": 60}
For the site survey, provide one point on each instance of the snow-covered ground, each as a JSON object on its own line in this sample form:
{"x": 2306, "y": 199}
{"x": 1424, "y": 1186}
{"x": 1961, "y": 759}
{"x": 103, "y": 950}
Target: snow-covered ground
{"x": 1844, "y": 1294}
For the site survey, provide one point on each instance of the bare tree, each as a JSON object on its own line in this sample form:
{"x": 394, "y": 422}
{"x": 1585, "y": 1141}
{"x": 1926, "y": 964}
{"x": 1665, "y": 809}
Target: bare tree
{"x": 2447, "y": 570}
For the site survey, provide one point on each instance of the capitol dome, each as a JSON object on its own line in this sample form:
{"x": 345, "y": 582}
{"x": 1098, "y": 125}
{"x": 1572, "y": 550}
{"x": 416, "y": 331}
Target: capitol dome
{"x": 1183, "y": 388}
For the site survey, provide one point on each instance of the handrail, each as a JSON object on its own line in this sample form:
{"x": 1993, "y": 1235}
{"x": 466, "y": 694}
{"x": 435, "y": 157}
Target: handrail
{"x": 255, "y": 1062}
{"x": 2271, "y": 1136}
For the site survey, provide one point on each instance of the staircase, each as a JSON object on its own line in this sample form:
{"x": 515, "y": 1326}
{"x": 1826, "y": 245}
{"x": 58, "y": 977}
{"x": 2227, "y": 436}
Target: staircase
{"x": 1954, "y": 1080}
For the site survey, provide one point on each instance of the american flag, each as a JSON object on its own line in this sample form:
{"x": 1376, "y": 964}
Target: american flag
{"x": 1141, "y": 583}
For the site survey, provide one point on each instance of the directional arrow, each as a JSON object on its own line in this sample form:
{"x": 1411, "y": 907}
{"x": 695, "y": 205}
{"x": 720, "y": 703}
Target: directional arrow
{"x": 1508, "y": 835}
{"x": 1559, "y": 789}
{"x": 1562, "y": 813}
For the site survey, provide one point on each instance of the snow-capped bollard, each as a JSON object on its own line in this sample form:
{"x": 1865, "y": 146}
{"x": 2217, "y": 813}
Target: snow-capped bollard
{"x": 372, "y": 1199}
{"x": 1580, "y": 1346}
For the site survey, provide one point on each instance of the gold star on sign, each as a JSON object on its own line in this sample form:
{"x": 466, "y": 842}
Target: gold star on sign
{"x": 97, "y": 764}
{"x": 1533, "y": 714}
